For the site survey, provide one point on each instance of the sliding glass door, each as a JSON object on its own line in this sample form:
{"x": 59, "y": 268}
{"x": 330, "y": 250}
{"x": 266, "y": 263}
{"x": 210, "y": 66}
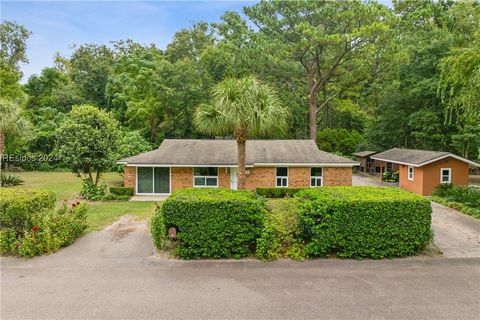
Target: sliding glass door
{"x": 153, "y": 180}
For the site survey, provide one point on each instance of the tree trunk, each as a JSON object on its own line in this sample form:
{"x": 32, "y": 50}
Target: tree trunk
{"x": 241, "y": 137}
{"x": 1, "y": 149}
{"x": 313, "y": 108}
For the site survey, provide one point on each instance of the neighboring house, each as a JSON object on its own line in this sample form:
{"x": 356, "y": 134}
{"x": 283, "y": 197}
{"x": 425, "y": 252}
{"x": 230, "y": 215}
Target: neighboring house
{"x": 421, "y": 170}
{"x": 186, "y": 163}
{"x": 371, "y": 166}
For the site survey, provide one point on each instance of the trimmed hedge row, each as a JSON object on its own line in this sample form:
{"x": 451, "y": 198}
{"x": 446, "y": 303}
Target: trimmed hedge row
{"x": 363, "y": 222}
{"x": 122, "y": 191}
{"x": 278, "y": 192}
{"x": 31, "y": 226}
{"x": 457, "y": 206}
{"x": 211, "y": 223}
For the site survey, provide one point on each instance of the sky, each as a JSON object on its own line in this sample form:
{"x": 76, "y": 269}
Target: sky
{"x": 58, "y": 25}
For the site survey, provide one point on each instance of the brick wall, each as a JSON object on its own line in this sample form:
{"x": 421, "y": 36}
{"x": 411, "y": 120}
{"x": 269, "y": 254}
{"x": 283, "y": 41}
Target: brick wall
{"x": 129, "y": 177}
{"x": 224, "y": 178}
{"x": 181, "y": 178}
{"x": 298, "y": 177}
{"x": 337, "y": 176}
{"x": 260, "y": 177}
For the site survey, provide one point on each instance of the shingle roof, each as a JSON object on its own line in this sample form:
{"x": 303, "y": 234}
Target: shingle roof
{"x": 416, "y": 157}
{"x": 224, "y": 152}
{"x": 364, "y": 153}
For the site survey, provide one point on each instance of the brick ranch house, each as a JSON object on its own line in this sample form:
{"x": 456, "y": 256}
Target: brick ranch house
{"x": 186, "y": 163}
{"x": 421, "y": 170}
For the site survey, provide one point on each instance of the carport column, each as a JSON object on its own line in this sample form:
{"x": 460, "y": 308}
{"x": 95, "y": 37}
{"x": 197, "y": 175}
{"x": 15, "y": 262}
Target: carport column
{"x": 381, "y": 170}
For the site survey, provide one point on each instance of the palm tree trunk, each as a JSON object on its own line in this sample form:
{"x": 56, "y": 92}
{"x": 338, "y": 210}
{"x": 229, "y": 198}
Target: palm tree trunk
{"x": 241, "y": 137}
{"x": 1, "y": 148}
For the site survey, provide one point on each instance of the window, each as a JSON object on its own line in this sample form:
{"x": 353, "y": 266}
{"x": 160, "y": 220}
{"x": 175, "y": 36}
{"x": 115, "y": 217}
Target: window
{"x": 445, "y": 175}
{"x": 282, "y": 177}
{"x": 316, "y": 177}
{"x": 389, "y": 167}
{"x": 205, "y": 177}
{"x": 153, "y": 180}
{"x": 411, "y": 172}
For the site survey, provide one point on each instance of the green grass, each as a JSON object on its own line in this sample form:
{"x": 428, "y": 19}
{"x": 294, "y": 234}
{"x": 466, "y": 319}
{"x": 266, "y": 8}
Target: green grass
{"x": 101, "y": 214}
{"x": 67, "y": 186}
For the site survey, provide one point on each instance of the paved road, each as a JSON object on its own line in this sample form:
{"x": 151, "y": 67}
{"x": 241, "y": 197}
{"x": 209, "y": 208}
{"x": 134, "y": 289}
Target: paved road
{"x": 114, "y": 274}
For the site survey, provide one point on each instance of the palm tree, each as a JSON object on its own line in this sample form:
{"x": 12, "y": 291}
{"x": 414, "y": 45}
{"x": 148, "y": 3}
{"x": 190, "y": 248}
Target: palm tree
{"x": 11, "y": 122}
{"x": 244, "y": 108}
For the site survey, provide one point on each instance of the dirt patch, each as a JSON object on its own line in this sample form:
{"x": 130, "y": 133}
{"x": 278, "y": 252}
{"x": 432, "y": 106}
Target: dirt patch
{"x": 125, "y": 225}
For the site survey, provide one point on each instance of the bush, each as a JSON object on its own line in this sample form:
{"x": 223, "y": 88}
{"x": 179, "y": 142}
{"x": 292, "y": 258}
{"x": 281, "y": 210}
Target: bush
{"x": 468, "y": 196}
{"x": 112, "y": 197}
{"x": 363, "y": 222}
{"x": 158, "y": 229}
{"x": 92, "y": 192}
{"x": 9, "y": 180}
{"x": 278, "y": 192}
{"x": 29, "y": 224}
{"x": 212, "y": 223}
{"x": 281, "y": 235}
{"x": 17, "y": 207}
{"x": 121, "y": 191}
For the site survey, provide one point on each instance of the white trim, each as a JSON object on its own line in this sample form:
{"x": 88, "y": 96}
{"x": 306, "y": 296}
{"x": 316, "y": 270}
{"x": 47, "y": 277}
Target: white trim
{"x": 183, "y": 165}
{"x": 430, "y": 161}
{"x": 347, "y": 165}
{"x": 206, "y": 177}
{"x": 281, "y": 177}
{"x": 413, "y": 173}
{"x": 153, "y": 187}
{"x": 316, "y": 177}
{"x": 449, "y": 175}
{"x": 328, "y": 165}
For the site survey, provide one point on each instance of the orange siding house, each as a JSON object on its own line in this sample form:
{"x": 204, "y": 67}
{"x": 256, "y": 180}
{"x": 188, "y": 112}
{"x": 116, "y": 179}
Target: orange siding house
{"x": 421, "y": 170}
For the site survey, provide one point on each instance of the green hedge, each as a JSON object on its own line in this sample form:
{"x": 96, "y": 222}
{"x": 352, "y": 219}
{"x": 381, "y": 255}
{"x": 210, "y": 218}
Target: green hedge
{"x": 359, "y": 222}
{"x": 211, "y": 223}
{"x": 121, "y": 191}
{"x": 30, "y": 225}
{"x": 17, "y": 207}
{"x": 281, "y": 236}
{"x": 278, "y": 192}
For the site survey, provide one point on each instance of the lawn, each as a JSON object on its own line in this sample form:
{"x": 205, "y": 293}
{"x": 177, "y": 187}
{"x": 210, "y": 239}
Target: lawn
{"x": 67, "y": 186}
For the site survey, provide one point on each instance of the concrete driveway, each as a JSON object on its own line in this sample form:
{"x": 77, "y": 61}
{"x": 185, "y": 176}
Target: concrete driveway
{"x": 455, "y": 234}
{"x": 115, "y": 274}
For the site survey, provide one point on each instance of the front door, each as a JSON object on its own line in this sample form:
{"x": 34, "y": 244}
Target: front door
{"x": 233, "y": 178}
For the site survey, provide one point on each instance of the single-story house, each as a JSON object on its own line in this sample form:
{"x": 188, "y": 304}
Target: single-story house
{"x": 421, "y": 170}
{"x": 371, "y": 166}
{"x": 186, "y": 163}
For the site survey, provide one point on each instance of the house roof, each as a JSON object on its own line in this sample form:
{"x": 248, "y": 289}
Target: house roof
{"x": 364, "y": 153}
{"x": 417, "y": 158}
{"x": 196, "y": 152}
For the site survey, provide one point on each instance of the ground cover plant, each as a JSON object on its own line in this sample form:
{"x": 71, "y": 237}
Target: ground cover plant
{"x": 278, "y": 192}
{"x": 363, "y": 222}
{"x": 10, "y": 180}
{"x": 31, "y": 225}
{"x": 211, "y": 223}
{"x": 464, "y": 199}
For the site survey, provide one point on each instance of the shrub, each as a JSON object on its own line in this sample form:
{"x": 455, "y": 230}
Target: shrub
{"x": 31, "y": 226}
{"x": 112, "y": 197}
{"x": 278, "y": 192}
{"x": 468, "y": 196}
{"x": 212, "y": 223}
{"x": 9, "y": 180}
{"x": 52, "y": 229}
{"x": 92, "y": 192}
{"x": 362, "y": 222}
{"x": 158, "y": 229}
{"x": 280, "y": 238}
{"x": 17, "y": 207}
{"x": 121, "y": 191}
